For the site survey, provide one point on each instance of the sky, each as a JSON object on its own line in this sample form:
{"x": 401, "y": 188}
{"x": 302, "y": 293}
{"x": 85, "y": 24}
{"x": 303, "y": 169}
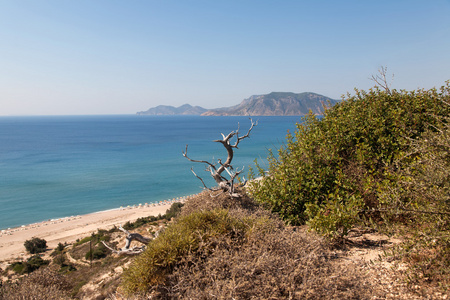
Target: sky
{"x": 66, "y": 57}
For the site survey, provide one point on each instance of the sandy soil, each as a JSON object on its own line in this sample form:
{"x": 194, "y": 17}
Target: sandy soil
{"x": 68, "y": 230}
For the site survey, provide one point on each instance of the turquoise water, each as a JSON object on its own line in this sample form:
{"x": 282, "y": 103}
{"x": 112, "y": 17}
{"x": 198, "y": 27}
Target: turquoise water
{"x": 58, "y": 166}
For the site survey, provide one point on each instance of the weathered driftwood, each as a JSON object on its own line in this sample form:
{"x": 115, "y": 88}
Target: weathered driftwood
{"x": 224, "y": 184}
{"x": 130, "y": 237}
{"x": 216, "y": 169}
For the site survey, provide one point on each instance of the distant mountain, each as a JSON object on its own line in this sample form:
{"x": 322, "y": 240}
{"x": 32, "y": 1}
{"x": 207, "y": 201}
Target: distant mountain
{"x": 276, "y": 104}
{"x": 185, "y": 109}
{"x": 273, "y": 104}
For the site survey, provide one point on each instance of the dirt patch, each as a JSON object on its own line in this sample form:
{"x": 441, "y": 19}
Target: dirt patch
{"x": 375, "y": 255}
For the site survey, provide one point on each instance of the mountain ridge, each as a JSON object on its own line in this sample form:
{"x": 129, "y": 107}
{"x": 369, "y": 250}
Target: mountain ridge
{"x": 272, "y": 104}
{"x": 185, "y": 109}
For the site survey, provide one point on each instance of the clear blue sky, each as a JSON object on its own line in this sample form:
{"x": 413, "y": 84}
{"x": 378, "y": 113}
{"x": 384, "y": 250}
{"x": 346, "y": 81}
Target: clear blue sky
{"x": 120, "y": 57}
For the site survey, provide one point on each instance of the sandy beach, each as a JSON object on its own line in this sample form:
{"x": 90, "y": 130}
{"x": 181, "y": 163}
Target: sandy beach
{"x": 68, "y": 230}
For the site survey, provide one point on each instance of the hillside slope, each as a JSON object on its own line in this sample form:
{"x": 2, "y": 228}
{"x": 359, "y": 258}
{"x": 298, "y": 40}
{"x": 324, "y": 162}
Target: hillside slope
{"x": 276, "y": 104}
{"x": 273, "y": 104}
{"x": 185, "y": 109}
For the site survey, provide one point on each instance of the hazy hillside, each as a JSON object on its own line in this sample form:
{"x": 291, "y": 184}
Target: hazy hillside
{"x": 185, "y": 109}
{"x": 273, "y": 104}
{"x": 276, "y": 104}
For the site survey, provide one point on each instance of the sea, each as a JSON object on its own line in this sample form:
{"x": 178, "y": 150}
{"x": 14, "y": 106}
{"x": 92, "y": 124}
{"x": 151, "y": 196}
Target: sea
{"x": 60, "y": 166}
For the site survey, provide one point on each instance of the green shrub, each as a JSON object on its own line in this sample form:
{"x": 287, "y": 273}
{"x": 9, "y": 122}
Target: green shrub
{"x": 18, "y": 267}
{"x": 101, "y": 235}
{"x": 35, "y": 245}
{"x": 32, "y": 264}
{"x": 67, "y": 268}
{"x": 140, "y": 222}
{"x": 420, "y": 199}
{"x": 174, "y": 210}
{"x": 82, "y": 241}
{"x": 185, "y": 237}
{"x": 99, "y": 251}
{"x": 60, "y": 247}
{"x": 331, "y": 168}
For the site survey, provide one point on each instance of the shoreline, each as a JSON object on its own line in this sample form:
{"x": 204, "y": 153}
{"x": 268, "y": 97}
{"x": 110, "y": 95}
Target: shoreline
{"x": 69, "y": 229}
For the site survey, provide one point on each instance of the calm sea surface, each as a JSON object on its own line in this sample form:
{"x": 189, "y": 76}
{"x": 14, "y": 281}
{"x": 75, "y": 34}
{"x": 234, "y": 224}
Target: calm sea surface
{"x": 58, "y": 166}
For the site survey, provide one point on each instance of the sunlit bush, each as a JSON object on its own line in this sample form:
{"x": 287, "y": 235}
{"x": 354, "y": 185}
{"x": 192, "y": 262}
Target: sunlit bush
{"x": 331, "y": 168}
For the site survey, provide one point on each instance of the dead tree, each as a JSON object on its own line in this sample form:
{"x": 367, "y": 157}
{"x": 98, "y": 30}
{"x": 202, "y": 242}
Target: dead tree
{"x": 217, "y": 169}
{"x": 131, "y": 237}
{"x": 223, "y": 183}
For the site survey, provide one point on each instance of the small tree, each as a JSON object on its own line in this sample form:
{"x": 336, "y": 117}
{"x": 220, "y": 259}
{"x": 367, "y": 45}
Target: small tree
{"x": 216, "y": 169}
{"x": 35, "y": 245}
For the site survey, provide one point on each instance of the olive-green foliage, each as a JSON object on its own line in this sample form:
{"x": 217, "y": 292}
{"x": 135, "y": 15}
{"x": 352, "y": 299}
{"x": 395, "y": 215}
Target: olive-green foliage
{"x": 32, "y": 264}
{"x": 82, "y": 241}
{"x": 172, "y": 212}
{"x": 99, "y": 251}
{"x": 101, "y": 235}
{"x": 35, "y": 245}
{"x": 140, "y": 222}
{"x": 420, "y": 199}
{"x": 332, "y": 167}
{"x": 60, "y": 247}
{"x": 18, "y": 267}
{"x": 185, "y": 236}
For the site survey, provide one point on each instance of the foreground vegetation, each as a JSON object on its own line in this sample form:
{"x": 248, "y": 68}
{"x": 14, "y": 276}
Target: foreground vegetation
{"x": 378, "y": 161}
{"x": 224, "y": 248}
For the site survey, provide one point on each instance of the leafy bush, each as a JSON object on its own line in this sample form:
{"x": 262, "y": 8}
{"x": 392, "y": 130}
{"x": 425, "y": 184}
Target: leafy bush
{"x": 32, "y": 264}
{"x": 172, "y": 212}
{"x": 35, "y": 245}
{"x": 420, "y": 199}
{"x": 140, "y": 222}
{"x": 67, "y": 268}
{"x": 82, "y": 241}
{"x": 331, "y": 169}
{"x": 101, "y": 235}
{"x": 60, "y": 247}
{"x": 18, "y": 267}
{"x": 99, "y": 251}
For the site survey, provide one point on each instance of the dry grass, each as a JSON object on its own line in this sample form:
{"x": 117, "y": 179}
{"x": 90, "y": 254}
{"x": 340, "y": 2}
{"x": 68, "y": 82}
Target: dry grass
{"x": 263, "y": 260}
{"x": 284, "y": 264}
{"x": 44, "y": 283}
{"x": 271, "y": 262}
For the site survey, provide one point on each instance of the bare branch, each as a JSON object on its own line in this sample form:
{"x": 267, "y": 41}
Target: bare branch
{"x": 134, "y": 237}
{"x": 223, "y": 183}
{"x": 133, "y": 251}
{"x": 192, "y": 170}
{"x": 381, "y": 79}
{"x": 130, "y": 237}
{"x": 198, "y": 161}
{"x": 253, "y": 124}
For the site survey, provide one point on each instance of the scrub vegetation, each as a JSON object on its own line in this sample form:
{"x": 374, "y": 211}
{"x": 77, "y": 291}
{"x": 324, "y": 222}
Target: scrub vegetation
{"x": 378, "y": 159}
{"x": 378, "y": 162}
